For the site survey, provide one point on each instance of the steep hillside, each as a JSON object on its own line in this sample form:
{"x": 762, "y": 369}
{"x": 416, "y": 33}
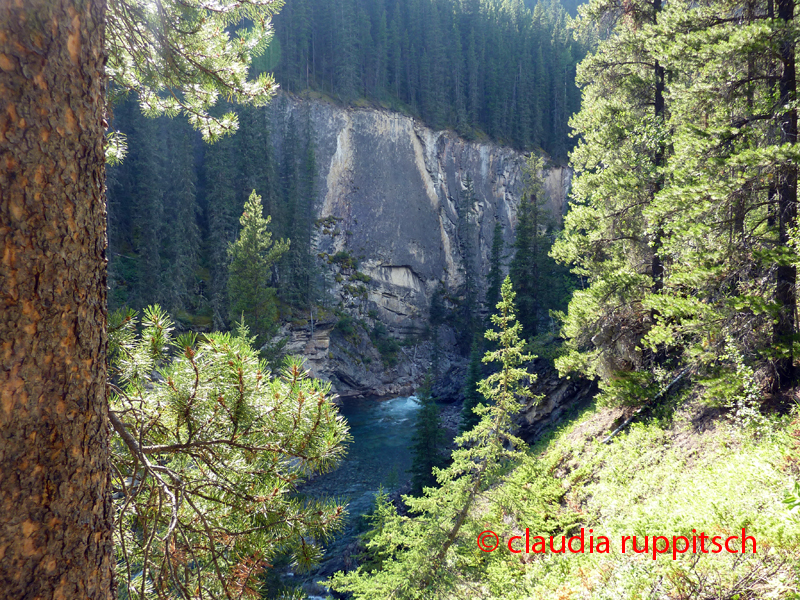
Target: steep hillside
{"x": 686, "y": 471}
{"x": 698, "y": 482}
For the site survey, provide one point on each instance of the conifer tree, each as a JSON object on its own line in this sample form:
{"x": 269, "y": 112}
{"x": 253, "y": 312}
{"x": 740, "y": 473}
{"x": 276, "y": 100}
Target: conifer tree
{"x": 428, "y": 555}
{"x": 299, "y": 281}
{"x": 611, "y": 237}
{"x": 174, "y": 56}
{"x": 686, "y": 188}
{"x": 438, "y": 311}
{"x": 472, "y": 398}
{"x": 182, "y": 211}
{"x": 56, "y": 543}
{"x": 255, "y": 161}
{"x": 731, "y": 192}
{"x": 429, "y": 439}
{"x": 289, "y": 173}
{"x": 221, "y": 208}
{"x": 55, "y": 528}
{"x": 209, "y": 451}
{"x": 783, "y": 333}
{"x": 251, "y": 258}
{"x": 182, "y": 57}
{"x": 529, "y": 247}
{"x": 495, "y": 277}
{"x": 147, "y": 220}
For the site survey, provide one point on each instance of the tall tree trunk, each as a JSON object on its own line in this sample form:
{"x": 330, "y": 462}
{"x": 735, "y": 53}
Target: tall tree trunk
{"x": 55, "y": 528}
{"x": 785, "y": 292}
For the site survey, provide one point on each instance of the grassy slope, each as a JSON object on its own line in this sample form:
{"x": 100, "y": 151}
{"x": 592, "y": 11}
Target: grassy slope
{"x": 693, "y": 469}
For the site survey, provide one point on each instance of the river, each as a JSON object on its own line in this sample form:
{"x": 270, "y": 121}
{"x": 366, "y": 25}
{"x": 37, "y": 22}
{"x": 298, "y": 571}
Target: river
{"x": 379, "y": 455}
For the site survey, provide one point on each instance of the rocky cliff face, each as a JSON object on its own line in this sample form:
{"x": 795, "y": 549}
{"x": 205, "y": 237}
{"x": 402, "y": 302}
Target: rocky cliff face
{"x": 393, "y": 191}
{"x": 559, "y": 397}
{"x": 393, "y": 222}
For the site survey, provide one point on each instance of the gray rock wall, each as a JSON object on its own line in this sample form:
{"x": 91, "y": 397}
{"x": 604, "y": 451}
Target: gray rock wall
{"x": 395, "y": 187}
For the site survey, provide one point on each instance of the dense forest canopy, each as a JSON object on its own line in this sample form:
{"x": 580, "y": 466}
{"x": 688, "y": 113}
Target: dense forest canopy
{"x": 493, "y": 66}
{"x": 174, "y": 203}
{"x": 685, "y": 200}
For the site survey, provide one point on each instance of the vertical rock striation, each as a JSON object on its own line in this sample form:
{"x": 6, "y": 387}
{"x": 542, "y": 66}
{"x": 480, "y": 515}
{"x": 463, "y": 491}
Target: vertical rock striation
{"x": 395, "y": 188}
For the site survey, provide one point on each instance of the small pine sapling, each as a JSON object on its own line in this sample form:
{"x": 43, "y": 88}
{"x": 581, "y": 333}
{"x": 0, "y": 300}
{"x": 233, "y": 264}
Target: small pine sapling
{"x": 430, "y": 554}
{"x": 428, "y": 441}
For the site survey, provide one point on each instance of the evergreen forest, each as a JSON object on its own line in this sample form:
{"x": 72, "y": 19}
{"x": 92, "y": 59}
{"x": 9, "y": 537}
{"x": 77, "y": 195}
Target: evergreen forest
{"x": 568, "y": 315}
{"x": 500, "y": 68}
{"x": 174, "y": 203}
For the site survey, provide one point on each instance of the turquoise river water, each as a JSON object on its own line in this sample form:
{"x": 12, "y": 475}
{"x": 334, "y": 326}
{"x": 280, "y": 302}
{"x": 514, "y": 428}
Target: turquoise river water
{"x": 378, "y": 456}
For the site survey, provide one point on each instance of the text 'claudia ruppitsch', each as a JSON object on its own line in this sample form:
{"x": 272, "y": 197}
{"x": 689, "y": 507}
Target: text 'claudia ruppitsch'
{"x": 698, "y": 543}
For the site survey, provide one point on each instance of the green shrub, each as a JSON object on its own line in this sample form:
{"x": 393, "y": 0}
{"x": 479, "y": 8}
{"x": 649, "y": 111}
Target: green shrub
{"x": 344, "y": 259}
{"x": 546, "y": 346}
{"x": 385, "y": 343}
{"x": 345, "y": 325}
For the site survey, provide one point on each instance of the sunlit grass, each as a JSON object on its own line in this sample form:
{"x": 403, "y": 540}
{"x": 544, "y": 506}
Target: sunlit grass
{"x": 654, "y": 480}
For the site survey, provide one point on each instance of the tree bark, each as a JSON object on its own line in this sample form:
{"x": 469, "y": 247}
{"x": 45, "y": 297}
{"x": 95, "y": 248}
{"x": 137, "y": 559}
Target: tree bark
{"x": 786, "y": 280}
{"x": 55, "y": 528}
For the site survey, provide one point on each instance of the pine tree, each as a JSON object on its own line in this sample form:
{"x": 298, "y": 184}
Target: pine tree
{"x": 148, "y": 232}
{"x": 55, "y": 488}
{"x": 472, "y": 397}
{"x": 380, "y": 58}
{"x": 438, "y": 312}
{"x": 495, "y": 277}
{"x": 255, "y": 161}
{"x": 289, "y": 175}
{"x": 529, "y": 247}
{"x": 298, "y": 287}
{"x": 611, "y": 237}
{"x": 182, "y": 59}
{"x": 724, "y": 207}
{"x": 182, "y": 211}
{"x": 428, "y": 441}
{"x": 395, "y": 52}
{"x": 345, "y": 50}
{"x": 57, "y": 541}
{"x": 473, "y": 90}
{"x": 251, "y": 257}
{"x": 429, "y": 555}
{"x": 221, "y": 207}
{"x": 786, "y": 174}
{"x": 120, "y": 194}
{"x": 686, "y": 189}
{"x": 210, "y": 437}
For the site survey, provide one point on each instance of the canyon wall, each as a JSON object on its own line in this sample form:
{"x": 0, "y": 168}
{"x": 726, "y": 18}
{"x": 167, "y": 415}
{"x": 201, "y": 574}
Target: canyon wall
{"x": 394, "y": 190}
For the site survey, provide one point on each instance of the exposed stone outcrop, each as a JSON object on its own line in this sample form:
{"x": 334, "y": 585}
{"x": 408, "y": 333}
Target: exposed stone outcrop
{"x": 355, "y": 367}
{"x": 559, "y": 397}
{"x": 391, "y": 195}
{"x": 395, "y": 189}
